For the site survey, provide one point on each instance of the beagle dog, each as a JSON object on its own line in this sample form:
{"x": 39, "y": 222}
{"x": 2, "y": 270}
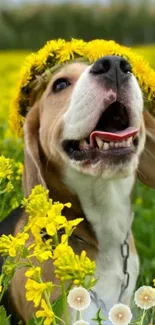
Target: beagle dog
{"x": 86, "y": 139}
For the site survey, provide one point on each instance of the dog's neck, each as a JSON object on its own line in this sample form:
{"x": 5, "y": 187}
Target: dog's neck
{"x": 105, "y": 203}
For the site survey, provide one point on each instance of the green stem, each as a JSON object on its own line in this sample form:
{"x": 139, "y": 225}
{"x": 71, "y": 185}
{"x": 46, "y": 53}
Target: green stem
{"x": 78, "y": 315}
{"x": 49, "y": 305}
{"x": 143, "y": 316}
{"x": 42, "y": 320}
{"x": 61, "y": 320}
{"x": 28, "y": 259}
{"x": 2, "y": 294}
{"x": 2, "y": 207}
{"x": 152, "y": 318}
{"x": 56, "y": 239}
{"x": 65, "y": 305}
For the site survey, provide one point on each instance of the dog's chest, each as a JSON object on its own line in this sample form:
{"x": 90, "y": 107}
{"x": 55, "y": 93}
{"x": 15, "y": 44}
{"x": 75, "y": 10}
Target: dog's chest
{"x": 106, "y": 206}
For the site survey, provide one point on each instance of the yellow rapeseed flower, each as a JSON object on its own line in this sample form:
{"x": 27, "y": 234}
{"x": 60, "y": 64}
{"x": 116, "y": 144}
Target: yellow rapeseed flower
{"x": 19, "y": 170}
{"x": 45, "y": 214}
{"x": 10, "y": 245}
{"x": 35, "y": 290}
{"x": 71, "y": 225}
{"x": 37, "y": 204}
{"x": 33, "y": 272}
{"x": 46, "y": 312}
{"x": 70, "y": 266}
{"x": 5, "y": 167}
{"x": 40, "y": 249}
{"x": 41, "y": 254}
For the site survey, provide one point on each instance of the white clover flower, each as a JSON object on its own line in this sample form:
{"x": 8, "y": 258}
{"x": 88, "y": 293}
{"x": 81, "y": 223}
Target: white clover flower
{"x": 145, "y": 297}
{"x": 120, "y": 314}
{"x": 81, "y": 322}
{"x": 78, "y": 298}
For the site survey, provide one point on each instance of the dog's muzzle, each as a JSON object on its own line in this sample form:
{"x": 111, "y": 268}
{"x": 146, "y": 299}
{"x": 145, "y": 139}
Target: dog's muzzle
{"x": 104, "y": 117}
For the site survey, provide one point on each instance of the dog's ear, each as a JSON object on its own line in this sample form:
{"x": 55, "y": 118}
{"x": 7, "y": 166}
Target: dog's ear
{"x": 33, "y": 174}
{"x": 146, "y": 170}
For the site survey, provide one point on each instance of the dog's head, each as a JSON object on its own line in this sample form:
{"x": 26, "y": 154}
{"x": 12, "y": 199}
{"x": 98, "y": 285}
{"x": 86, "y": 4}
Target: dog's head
{"x": 90, "y": 118}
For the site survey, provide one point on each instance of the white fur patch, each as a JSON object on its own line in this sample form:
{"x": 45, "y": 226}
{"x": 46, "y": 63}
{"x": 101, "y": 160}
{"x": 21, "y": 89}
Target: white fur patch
{"x": 106, "y": 205}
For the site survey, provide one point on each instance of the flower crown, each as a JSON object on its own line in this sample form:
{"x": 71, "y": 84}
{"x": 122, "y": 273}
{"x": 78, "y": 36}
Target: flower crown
{"x": 39, "y": 66}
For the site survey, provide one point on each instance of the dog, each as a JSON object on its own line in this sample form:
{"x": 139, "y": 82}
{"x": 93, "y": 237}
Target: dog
{"x": 86, "y": 139}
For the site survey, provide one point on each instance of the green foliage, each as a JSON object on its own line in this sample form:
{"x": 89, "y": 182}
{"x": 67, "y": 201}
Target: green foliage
{"x": 11, "y": 148}
{"x": 144, "y": 225}
{"x": 31, "y": 26}
{"x": 4, "y": 320}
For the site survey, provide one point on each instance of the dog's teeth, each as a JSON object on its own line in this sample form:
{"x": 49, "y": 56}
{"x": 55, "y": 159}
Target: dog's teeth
{"x": 128, "y": 142}
{"x": 99, "y": 142}
{"x": 84, "y": 144}
{"x": 106, "y": 146}
{"x": 111, "y": 144}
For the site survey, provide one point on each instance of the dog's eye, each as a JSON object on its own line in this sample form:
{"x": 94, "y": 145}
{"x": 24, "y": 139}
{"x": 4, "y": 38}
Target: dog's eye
{"x": 60, "y": 84}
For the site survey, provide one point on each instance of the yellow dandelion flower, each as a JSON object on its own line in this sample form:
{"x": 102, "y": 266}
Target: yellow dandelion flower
{"x": 35, "y": 290}
{"x": 26, "y": 71}
{"x": 46, "y": 312}
{"x": 59, "y": 52}
{"x": 5, "y": 167}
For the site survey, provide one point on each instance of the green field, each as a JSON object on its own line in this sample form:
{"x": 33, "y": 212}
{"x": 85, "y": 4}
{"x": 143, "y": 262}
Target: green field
{"x": 144, "y": 198}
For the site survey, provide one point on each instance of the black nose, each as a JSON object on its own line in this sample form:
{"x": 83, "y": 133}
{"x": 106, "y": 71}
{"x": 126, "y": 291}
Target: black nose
{"x": 114, "y": 69}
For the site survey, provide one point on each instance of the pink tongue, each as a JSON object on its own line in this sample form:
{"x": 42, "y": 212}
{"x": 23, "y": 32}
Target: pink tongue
{"x": 111, "y": 137}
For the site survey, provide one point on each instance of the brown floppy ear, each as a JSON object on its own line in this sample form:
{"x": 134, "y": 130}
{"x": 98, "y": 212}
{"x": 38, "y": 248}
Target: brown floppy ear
{"x": 33, "y": 174}
{"x": 146, "y": 170}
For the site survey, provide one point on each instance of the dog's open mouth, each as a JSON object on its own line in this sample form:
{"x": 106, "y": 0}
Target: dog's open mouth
{"x": 112, "y": 136}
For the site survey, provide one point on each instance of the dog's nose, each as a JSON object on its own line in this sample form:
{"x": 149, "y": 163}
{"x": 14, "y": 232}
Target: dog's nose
{"x": 112, "y": 68}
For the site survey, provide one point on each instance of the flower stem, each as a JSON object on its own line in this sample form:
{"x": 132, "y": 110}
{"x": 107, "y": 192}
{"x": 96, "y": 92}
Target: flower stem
{"x": 78, "y": 316}
{"x": 49, "y": 305}
{"x": 152, "y": 318}
{"x": 143, "y": 316}
{"x": 65, "y": 305}
{"x": 56, "y": 239}
{"x": 42, "y": 320}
